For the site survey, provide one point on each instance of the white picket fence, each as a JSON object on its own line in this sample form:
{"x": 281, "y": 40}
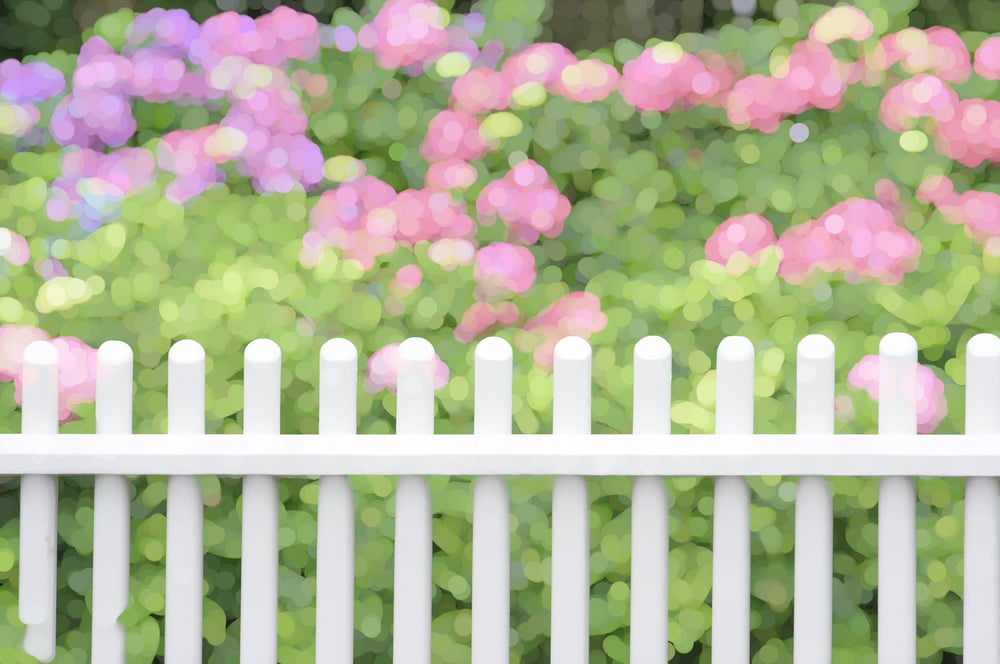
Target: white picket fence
{"x": 262, "y": 454}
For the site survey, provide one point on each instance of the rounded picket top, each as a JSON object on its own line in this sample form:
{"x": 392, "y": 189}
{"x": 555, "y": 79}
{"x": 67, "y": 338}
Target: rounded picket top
{"x": 735, "y": 349}
{"x": 186, "y": 351}
{"x": 816, "y": 347}
{"x": 41, "y": 353}
{"x": 494, "y": 349}
{"x": 262, "y": 351}
{"x": 572, "y": 348}
{"x": 113, "y": 390}
{"x": 416, "y": 349}
{"x": 652, "y": 349}
{"x": 114, "y": 354}
{"x": 897, "y": 345}
{"x": 338, "y": 350}
{"x": 983, "y": 346}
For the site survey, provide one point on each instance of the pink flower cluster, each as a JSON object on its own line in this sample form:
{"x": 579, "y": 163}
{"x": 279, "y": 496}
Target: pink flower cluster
{"x": 967, "y": 131}
{"x": 183, "y": 153}
{"x": 972, "y": 134}
{"x": 977, "y": 211}
{"x": 340, "y": 219}
{"x": 480, "y": 90}
{"x": 527, "y": 200}
{"x": 937, "y": 49}
{"x": 239, "y": 59}
{"x": 412, "y": 34}
{"x": 923, "y": 96}
{"x": 931, "y": 404}
{"x": 503, "y": 268}
{"x": 450, "y": 174}
{"x": 272, "y": 39}
{"x": 483, "y": 317}
{"x": 77, "y": 366}
{"x": 405, "y": 32}
{"x": 382, "y": 370}
{"x": 424, "y": 215}
{"x": 748, "y": 233}
{"x": 575, "y": 314}
{"x": 92, "y": 184}
{"x": 812, "y": 77}
{"x": 987, "y": 63}
{"x": 97, "y": 112}
{"x": 366, "y": 218}
{"x": 453, "y": 135}
{"x": 664, "y": 74}
{"x": 858, "y": 236}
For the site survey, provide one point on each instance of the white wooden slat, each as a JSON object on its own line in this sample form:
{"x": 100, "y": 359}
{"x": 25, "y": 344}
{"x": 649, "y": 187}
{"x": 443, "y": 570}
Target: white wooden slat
{"x": 259, "y": 559}
{"x": 731, "y": 509}
{"x": 604, "y": 455}
{"x": 650, "y": 508}
{"x": 570, "y": 631}
{"x": 338, "y": 414}
{"x": 897, "y": 505}
{"x": 412, "y": 584}
{"x": 813, "y": 598}
{"x": 39, "y": 506}
{"x": 981, "y": 610}
{"x": 493, "y": 413}
{"x": 112, "y": 508}
{"x": 182, "y": 639}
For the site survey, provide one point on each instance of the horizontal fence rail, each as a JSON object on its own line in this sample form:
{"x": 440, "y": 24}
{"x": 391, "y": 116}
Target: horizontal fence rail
{"x": 261, "y": 455}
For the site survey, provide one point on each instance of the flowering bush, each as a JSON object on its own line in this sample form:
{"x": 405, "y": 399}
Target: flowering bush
{"x": 240, "y": 178}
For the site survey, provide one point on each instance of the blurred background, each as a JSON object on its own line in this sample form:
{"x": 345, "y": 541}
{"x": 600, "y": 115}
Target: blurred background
{"x": 34, "y": 26}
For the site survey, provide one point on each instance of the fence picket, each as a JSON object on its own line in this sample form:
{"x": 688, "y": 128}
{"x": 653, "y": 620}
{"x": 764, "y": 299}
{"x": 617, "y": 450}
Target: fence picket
{"x": 492, "y": 414}
{"x": 338, "y": 414}
{"x": 734, "y": 389}
{"x": 259, "y": 559}
{"x": 650, "y": 510}
{"x": 112, "y": 507}
{"x": 897, "y": 506}
{"x": 982, "y": 518}
{"x": 813, "y": 598}
{"x": 570, "y": 631}
{"x": 39, "y": 507}
{"x": 185, "y": 513}
{"x": 412, "y": 585}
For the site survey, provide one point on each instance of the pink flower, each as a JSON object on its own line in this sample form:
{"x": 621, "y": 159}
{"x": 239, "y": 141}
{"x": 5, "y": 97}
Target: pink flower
{"x": 77, "y": 366}
{"x": 406, "y": 32}
{"x": 451, "y": 174}
{"x": 923, "y": 96}
{"x": 527, "y": 200}
{"x": 539, "y": 63}
{"x": 502, "y": 267}
{"x": 342, "y": 218}
{"x": 453, "y": 135}
{"x": 987, "y": 62}
{"x": 748, "y": 233}
{"x": 586, "y": 81}
{"x": 575, "y": 314}
{"x": 478, "y": 90}
{"x": 858, "y": 236}
{"x": 13, "y": 340}
{"x": 661, "y": 75}
{"x": 382, "y": 370}
{"x": 931, "y": 404}
{"x": 482, "y": 317}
